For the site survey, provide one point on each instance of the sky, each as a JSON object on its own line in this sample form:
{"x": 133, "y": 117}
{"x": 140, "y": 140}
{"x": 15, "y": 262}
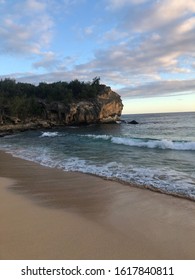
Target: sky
{"x": 143, "y": 49}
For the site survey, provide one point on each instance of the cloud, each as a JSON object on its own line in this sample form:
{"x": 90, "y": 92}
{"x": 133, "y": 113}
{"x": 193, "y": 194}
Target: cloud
{"x": 114, "y": 35}
{"x": 186, "y": 26}
{"x": 119, "y": 4}
{"x": 145, "y": 41}
{"x": 48, "y": 61}
{"x": 144, "y": 48}
{"x": 17, "y": 39}
{"x": 34, "y": 5}
{"x": 160, "y": 88}
{"x": 159, "y": 14}
{"x": 89, "y": 30}
{"x": 153, "y": 39}
{"x": 28, "y": 32}
{"x": 148, "y": 58}
{"x": 49, "y": 77}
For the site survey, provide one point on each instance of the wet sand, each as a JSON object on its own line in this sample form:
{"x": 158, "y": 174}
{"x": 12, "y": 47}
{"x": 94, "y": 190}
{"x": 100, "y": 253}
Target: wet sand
{"x": 47, "y": 213}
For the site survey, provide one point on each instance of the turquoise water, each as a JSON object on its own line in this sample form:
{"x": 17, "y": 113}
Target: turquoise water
{"x": 158, "y": 152}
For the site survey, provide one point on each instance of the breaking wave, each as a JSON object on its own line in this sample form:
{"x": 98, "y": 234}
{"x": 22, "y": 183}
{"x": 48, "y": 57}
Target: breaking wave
{"x": 159, "y": 179}
{"x": 49, "y": 134}
{"x": 147, "y": 143}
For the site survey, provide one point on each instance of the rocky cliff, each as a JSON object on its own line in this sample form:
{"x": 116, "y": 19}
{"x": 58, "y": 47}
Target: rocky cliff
{"x": 106, "y": 107}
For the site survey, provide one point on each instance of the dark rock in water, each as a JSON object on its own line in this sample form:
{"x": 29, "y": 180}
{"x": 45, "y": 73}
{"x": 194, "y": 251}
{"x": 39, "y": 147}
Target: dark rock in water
{"x": 133, "y": 122}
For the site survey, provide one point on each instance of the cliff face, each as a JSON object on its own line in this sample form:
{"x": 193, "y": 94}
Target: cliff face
{"x": 106, "y": 107}
{"x": 111, "y": 106}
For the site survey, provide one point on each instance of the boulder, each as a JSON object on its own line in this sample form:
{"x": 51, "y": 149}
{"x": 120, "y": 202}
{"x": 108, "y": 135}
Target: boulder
{"x": 133, "y": 122}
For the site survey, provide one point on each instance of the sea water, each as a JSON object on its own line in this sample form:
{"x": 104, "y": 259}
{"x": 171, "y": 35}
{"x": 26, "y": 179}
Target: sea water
{"x": 158, "y": 153}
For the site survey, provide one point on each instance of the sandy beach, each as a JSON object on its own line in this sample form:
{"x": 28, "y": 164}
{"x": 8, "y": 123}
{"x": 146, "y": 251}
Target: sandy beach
{"x": 46, "y": 213}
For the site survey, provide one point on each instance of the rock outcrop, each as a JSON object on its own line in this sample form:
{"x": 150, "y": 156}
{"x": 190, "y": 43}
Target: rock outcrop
{"x": 106, "y": 107}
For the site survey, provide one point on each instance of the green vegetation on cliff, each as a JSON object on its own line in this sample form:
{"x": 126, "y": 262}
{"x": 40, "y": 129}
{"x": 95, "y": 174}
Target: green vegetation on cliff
{"x": 21, "y": 100}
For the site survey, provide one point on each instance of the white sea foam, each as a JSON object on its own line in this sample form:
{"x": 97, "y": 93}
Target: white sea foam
{"x": 49, "y": 134}
{"x": 159, "y": 178}
{"x": 152, "y": 144}
{"x": 104, "y": 137}
{"x": 147, "y": 143}
{"x": 124, "y": 153}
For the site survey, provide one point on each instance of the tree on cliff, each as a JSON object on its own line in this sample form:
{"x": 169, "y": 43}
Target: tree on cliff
{"x": 22, "y": 99}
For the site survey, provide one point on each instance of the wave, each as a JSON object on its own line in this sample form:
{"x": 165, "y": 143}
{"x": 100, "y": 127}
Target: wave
{"x": 160, "y": 179}
{"x": 153, "y": 144}
{"x": 49, "y": 134}
{"x": 147, "y": 143}
{"x": 104, "y": 137}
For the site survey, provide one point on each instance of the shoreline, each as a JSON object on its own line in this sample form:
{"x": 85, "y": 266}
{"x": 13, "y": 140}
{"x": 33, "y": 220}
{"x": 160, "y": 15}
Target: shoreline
{"x": 48, "y": 213}
{"x": 125, "y": 183}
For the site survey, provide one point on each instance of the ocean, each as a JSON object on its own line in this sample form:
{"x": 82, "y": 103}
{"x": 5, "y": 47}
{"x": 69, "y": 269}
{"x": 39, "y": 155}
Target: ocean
{"x": 157, "y": 153}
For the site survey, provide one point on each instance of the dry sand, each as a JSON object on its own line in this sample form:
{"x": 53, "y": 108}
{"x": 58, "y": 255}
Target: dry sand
{"x": 50, "y": 214}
